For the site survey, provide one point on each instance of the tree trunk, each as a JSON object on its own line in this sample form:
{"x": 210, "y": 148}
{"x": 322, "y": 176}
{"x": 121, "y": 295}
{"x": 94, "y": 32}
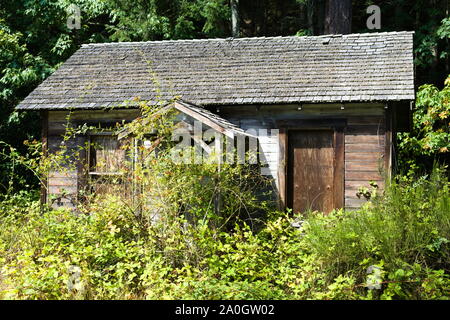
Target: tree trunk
{"x": 310, "y": 15}
{"x": 338, "y": 17}
{"x": 316, "y": 16}
{"x": 235, "y": 18}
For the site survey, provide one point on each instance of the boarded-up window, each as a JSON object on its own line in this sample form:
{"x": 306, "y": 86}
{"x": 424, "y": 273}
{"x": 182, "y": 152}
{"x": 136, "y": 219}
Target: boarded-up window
{"x": 108, "y": 155}
{"x": 110, "y": 166}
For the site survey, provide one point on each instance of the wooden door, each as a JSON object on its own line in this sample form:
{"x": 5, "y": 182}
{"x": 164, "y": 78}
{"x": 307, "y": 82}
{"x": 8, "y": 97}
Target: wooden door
{"x": 311, "y": 170}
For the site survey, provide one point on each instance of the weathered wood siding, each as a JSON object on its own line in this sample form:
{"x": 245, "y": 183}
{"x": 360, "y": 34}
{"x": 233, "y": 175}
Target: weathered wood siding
{"x": 69, "y": 179}
{"x": 365, "y": 154}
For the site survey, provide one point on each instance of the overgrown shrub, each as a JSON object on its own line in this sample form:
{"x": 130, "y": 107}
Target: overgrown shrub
{"x": 404, "y": 235}
{"x": 429, "y": 139}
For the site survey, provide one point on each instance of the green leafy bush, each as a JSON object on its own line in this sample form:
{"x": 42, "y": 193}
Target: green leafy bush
{"x": 403, "y": 234}
{"x": 430, "y": 136}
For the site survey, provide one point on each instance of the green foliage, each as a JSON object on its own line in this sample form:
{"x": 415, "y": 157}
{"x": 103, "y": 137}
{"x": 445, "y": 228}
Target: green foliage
{"x": 121, "y": 255}
{"x": 430, "y": 136}
{"x": 430, "y": 46}
{"x": 34, "y": 39}
{"x": 406, "y": 233}
{"x": 158, "y": 20}
{"x": 182, "y": 245}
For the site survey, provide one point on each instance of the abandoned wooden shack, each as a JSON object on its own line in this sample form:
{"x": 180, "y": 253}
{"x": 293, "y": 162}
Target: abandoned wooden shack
{"x": 337, "y": 101}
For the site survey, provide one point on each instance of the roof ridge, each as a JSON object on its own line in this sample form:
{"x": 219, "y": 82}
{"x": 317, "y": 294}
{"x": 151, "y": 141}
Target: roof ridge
{"x": 366, "y": 34}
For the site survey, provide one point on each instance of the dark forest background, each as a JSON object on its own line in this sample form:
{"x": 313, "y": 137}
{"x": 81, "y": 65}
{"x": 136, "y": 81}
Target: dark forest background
{"x": 35, "y": 38}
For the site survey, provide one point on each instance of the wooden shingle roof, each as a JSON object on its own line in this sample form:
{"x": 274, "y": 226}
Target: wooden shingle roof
{"x": 278, "y": 70}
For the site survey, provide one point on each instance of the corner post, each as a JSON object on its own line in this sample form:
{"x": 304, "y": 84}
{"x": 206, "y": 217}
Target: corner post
{"x": 388, "y": 142}
{"x": 44, "y": 139}
{"x": 282, "y": 167}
